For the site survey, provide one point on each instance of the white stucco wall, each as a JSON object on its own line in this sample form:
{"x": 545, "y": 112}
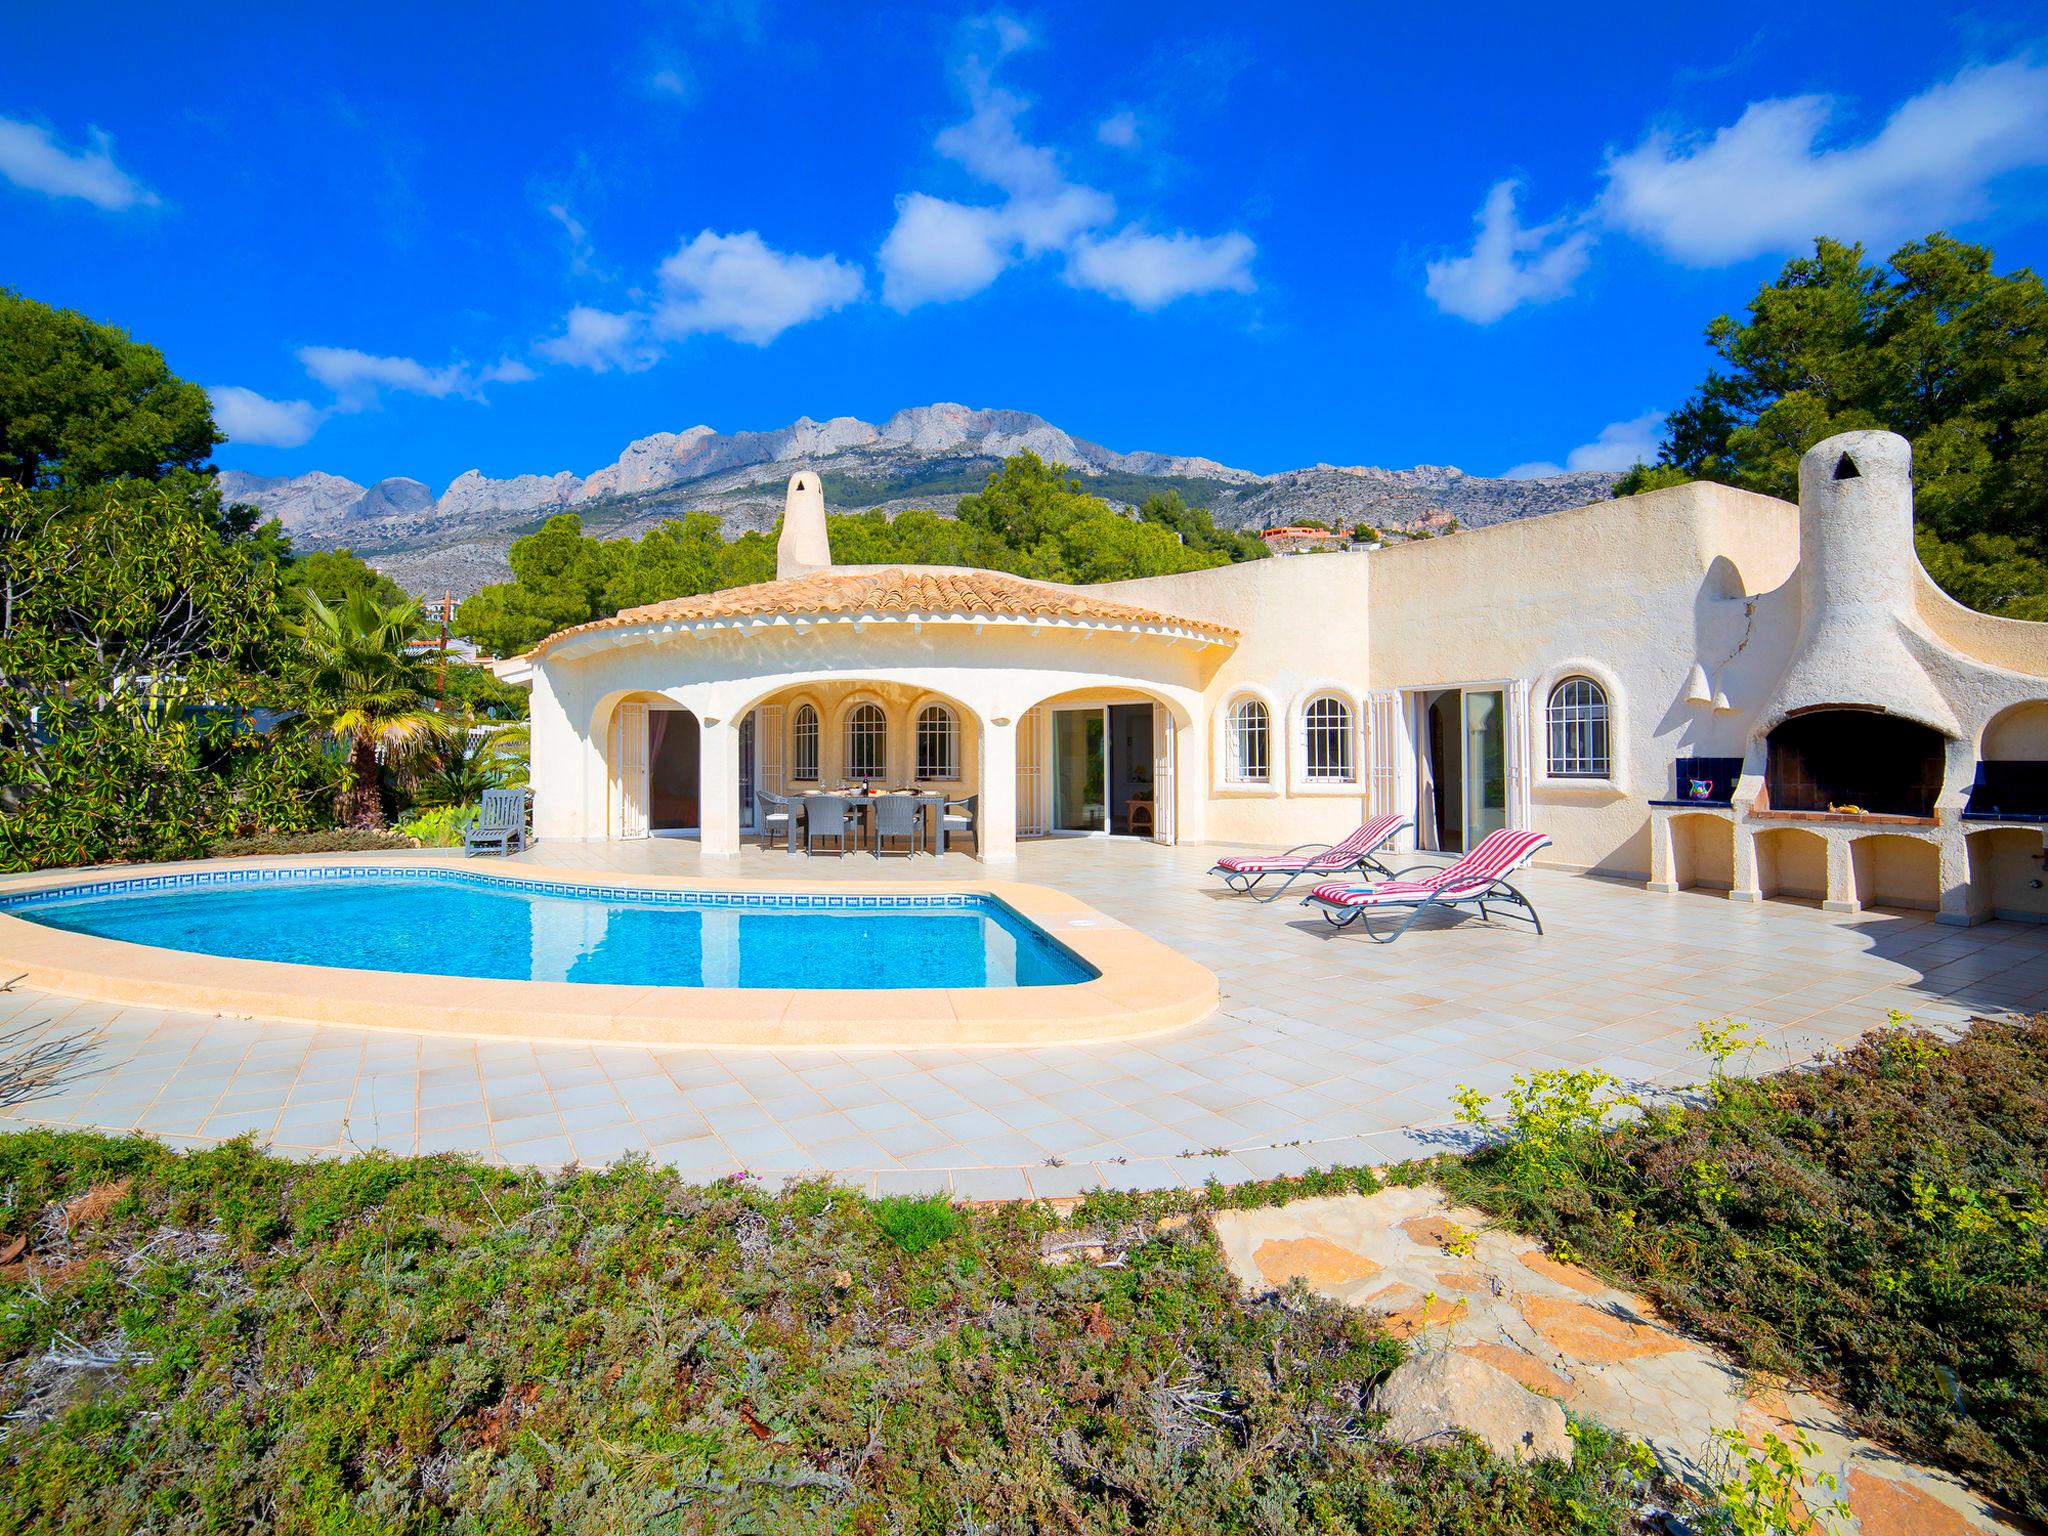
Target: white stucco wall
{"x": 1704, "y": 613}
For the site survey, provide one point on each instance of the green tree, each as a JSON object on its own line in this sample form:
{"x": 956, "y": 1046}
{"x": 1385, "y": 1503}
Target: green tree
{"x": 559, "y": 578}
{"x": 82, "y": 403}
{"x": 1933, "y": 344}
{"x": 138, "y": 648}
{"x": 367, "y": 694}
{"x": 1198, "y": 530}
{"x": 1035, "y": 520}
{"x": 332, "y": 574}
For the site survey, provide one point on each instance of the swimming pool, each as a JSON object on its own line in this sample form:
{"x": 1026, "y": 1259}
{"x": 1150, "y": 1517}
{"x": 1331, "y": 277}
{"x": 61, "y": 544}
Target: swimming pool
{"x": 466, "y": 924}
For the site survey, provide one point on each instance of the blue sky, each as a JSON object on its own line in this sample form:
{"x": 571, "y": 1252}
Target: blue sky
{"x": 416, "y": 240}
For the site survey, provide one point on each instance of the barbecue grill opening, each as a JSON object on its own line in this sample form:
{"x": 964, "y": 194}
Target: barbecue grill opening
{"x": 1849, "y": 759}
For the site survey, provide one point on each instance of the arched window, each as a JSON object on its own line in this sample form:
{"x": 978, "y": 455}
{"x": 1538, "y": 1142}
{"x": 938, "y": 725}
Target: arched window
{"x": 803, "y": 745}
{"x": 1250, "y": 742}
{"x": 867, "y": 742}
{"x": 1577, "y": 718}
{"x": 1326, "y": 741}
{"x": 938, "y": 743}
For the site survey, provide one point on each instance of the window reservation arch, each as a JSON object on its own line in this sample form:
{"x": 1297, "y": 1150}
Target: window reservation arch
{"x": 1577, "y": 731}
{"x": 803, "y": 745}
{"x": 867, "y": 742}
{"x": 938, "y": 743}
{"x": 1249, "y": 742}
{"x": 1326, "y": 742}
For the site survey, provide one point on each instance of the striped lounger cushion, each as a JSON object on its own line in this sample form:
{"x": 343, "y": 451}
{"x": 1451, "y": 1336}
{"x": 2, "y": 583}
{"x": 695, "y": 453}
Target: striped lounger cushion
{"x": 1346, "y": 853}
{"x": 1469, "y": 877}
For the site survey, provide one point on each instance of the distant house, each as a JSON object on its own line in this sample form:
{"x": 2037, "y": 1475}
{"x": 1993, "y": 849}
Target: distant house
{"x": 1302, "y": 541}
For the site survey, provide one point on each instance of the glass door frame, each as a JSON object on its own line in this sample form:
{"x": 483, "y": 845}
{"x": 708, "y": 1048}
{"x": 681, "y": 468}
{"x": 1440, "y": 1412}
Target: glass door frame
{"x": 1054, "y": 810}
{"x": 1414, "y": 703}
{"x": 1471, "y": 764}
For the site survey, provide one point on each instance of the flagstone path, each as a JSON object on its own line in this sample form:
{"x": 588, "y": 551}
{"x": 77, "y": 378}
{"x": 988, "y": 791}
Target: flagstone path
{"x": 1564, "y": 1332}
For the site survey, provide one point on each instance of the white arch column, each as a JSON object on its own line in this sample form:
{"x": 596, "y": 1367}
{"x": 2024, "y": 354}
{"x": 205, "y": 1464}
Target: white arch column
{"x": 996, "y": 811}
{"x": 718, "y": 786}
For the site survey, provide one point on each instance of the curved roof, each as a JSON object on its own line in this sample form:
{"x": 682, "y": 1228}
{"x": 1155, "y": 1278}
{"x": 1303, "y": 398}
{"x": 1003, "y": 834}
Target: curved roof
{"x": 901, "y": 594}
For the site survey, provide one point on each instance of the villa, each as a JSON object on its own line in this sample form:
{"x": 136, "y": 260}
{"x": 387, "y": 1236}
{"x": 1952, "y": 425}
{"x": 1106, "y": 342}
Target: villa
{"x": 1695, "y": 687}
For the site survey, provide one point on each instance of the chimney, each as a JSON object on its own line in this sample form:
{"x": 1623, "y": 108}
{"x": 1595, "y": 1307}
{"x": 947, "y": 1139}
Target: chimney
{"x": 803, "y": 547}
{"x": 1860, "y": 642}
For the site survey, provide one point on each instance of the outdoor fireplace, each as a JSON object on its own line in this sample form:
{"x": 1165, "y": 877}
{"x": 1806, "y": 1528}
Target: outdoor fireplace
{"x": 1837, "y": 758}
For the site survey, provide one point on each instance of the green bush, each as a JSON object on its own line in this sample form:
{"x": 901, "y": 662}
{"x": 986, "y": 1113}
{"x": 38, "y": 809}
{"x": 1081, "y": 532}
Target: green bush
{"x": 330, "y": 840}
{"x": 915, "y": 1222}
{"x": 1873, "y": 1224}
{"x": 441, "y": 827}
{"x": 418, "y": 1345}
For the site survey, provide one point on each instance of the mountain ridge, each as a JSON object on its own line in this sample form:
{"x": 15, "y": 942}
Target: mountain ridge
{"x": 920, "y": 456}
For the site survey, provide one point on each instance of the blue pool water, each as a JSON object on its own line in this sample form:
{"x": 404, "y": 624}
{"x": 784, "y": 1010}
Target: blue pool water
{"x": 454, "y": 923}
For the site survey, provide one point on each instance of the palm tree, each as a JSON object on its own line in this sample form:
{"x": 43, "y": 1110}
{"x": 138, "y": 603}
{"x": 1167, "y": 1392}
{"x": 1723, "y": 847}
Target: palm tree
{"x": 465, "y": 770}
{"x": 369, "y": 695}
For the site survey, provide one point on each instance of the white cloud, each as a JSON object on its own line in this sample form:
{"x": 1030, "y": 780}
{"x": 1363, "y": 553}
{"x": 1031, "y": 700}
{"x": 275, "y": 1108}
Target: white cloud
{"x": 940, "y": 250}
{"x": 1620, "y": 445}
{"x": 673, "y": 78}
{"x": 582, "y": 252}
{"x": 507, "y": 370}
{"x": 601, "y": 340}
{"x": 32, "y": 158}
{"x": 1508, "y": 265}
{"x": 1119, "y": 130}
{"x": 254, "y": 419}
{"x": 739, "y": 286}
{"x": 1151, "y": 271}
{"x": 1769, "y": 183}
{"x": 358, "y": 378}
{"x": 1766, "y": 183}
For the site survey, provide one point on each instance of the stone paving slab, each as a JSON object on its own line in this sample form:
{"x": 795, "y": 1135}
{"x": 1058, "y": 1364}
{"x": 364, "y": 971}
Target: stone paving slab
{"x": 1327, "y": 1049}
{"x": 1445, "y": 1279}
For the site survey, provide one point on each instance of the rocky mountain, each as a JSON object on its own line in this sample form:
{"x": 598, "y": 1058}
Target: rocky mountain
{"x": 929, "y": 456}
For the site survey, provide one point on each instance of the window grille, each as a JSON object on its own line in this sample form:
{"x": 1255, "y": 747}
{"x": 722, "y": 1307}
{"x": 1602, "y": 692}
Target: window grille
{"x": 1577, "y": 718}
{"x": 1326, "y": 748}
{"x": 803, "y": 745}
{"x": 938, "y": 740}
{"x": 1251, "y": 743}
{"x": 867, "y": 742}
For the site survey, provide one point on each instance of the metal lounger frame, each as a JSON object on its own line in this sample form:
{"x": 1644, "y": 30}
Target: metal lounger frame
{"x": 1243, "y": 881}
{"x": 1498, "y": 891}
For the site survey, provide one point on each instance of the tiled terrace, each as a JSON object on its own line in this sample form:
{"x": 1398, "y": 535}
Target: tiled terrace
{"x": 1328, "y": 1049}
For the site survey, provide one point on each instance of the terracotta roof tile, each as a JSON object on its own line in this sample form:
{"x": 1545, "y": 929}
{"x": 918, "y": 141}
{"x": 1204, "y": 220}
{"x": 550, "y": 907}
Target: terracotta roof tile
{"x": 988, "y": 594}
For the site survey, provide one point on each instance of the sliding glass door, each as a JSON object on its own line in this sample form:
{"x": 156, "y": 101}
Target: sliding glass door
{"x": 1486, "y": 763}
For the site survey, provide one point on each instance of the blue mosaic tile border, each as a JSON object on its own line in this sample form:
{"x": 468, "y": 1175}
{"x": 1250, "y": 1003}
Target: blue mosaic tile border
{"x": 759, "y": 901}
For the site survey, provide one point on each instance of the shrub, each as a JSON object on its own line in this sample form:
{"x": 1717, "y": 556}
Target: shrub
{"x": 916, "y": 1222}
{"x": 1872, "y": 1224}
{"x": 441, "y": 827}
{"x": 394, "y": 1344}
{"x": 329, "y": 840}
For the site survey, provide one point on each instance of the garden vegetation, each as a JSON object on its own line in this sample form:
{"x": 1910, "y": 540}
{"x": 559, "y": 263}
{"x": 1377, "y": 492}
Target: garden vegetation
{"x": 1873, "y": 1226}
{"x": 226, "y": 1340}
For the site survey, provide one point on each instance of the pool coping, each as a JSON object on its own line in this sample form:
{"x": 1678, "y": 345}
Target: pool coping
{"x": 1143, "y": 987}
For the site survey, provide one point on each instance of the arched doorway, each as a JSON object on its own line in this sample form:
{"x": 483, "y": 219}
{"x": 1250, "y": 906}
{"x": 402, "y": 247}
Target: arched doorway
{"x": 655, "y": 762}
{"x": 1098, "y": 762}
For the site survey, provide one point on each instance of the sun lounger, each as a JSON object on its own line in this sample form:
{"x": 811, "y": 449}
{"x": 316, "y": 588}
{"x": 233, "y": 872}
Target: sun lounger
{"x": 500, "y": 825}
{"x": 1242, "y": 871}
{"x": 1478, "y": 879}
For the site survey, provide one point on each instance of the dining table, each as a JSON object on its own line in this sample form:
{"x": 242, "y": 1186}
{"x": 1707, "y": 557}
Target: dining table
{"x": 930, "y": 803}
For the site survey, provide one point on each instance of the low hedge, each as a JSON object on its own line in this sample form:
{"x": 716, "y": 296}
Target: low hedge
{"x": 330, "y": 840}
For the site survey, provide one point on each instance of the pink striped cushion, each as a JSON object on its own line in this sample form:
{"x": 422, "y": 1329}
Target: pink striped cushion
{"x": 1342, "y": 856}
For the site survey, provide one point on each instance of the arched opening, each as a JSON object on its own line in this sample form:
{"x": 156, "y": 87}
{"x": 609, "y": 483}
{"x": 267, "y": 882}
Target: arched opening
{"x": 1703, "y": 852}
{"x": 2007, "y": 874}
{"x": 836, "y": 734}
{"x": 1099, "y": 762}
{"x": 1854, "y": 760}
{"x": 653, "y": 768}
{"x": 1792, "y": 862}
{"x": 1896, "y": 872}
